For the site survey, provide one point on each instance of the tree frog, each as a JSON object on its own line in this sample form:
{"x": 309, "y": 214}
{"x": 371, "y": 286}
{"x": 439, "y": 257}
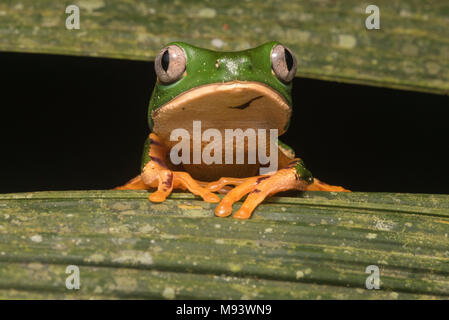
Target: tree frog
{"x": 249, "y": 89}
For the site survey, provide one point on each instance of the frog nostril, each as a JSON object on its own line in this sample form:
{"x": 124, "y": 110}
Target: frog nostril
{"x": 246, "y": 63}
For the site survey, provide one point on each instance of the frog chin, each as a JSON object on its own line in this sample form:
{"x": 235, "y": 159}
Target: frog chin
{"x": 229, "y": 105}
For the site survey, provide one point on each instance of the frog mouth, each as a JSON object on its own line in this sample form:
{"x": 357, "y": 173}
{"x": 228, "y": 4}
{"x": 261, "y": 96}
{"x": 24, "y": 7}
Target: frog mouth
{"x": 221, "y": 106}
{"x": 246, "y": 104}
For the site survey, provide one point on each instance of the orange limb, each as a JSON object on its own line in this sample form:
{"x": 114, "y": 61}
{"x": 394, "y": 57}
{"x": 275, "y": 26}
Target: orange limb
{"x": 223, "y": 182}
{"x": 258, "y": 189}
{"x": 156, "y": 174}
{"x": 223, "y": 190}
{"x": 133, "y": 184}
{"x": 318, "y": 185}
{"x": 261, "y": 187}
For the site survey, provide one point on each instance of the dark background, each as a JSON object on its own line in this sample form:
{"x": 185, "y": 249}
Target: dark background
{"x": 80, "y": 123}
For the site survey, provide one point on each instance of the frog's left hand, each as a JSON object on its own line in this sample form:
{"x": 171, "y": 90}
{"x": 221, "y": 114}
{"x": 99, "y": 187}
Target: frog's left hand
{"x": 293, "y": 177}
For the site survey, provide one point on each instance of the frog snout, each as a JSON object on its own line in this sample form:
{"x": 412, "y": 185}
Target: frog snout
{"x": 234, "y": 67}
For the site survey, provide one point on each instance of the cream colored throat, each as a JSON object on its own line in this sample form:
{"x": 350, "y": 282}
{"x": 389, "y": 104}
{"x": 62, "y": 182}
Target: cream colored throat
{"x": 230, "y": 105}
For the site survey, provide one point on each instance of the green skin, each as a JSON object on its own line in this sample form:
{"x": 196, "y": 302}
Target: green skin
{"x": 250, "y": 65}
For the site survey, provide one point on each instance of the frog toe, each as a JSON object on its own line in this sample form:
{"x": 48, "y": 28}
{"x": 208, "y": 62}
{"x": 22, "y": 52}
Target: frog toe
{"x": 318, "y": 185}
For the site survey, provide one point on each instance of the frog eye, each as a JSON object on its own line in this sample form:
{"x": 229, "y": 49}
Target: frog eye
{"x": 283, "y": 63}
{"x": 170, "y": 64}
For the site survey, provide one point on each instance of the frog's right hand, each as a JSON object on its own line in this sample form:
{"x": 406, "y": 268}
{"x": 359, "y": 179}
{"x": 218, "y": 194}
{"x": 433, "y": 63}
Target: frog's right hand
{"x": 156, "y": 174}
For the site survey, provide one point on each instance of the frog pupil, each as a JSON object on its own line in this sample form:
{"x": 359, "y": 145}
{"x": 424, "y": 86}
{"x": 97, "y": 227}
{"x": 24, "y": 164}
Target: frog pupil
{"x": 288, "y": 59}
{"x": 165, "y": 61}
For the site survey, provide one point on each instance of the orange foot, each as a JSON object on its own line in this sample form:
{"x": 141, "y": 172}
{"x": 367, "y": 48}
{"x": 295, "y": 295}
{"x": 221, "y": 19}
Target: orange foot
{"x": 166, "y": 180}
{"x": 260, "y": 187}
{"x": 155, "y": 174}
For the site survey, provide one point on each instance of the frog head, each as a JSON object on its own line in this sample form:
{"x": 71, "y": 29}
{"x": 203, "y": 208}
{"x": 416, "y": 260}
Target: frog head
{"x": 244, "y": 89}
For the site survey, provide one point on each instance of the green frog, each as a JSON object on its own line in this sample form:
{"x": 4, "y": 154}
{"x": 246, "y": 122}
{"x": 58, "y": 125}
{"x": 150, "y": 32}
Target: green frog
{"x": 247, "y": 90}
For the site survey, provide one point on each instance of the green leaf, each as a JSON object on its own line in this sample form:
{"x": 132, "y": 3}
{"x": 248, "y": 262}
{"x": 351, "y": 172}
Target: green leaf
{"x": 316, "y": 245}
